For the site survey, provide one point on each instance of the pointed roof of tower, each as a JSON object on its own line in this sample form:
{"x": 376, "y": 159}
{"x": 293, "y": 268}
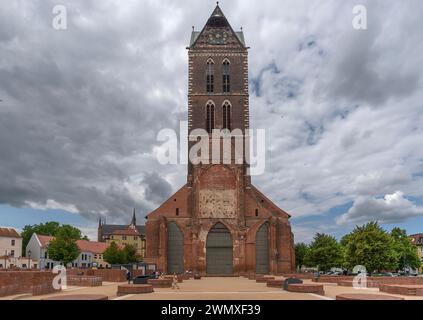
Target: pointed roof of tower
{"x": 217, "y": 20}
{"x": 134, "y": 219}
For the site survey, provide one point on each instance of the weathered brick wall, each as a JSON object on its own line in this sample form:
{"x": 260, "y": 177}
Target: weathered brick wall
{"x": 109, "y": 275}
{"x": 84, "y": 281}
{"x": 43, "y": 283}
{"x": 20, "y": 282}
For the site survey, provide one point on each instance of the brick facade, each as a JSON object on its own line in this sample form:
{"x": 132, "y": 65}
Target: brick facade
{"x": 220, "y": 193}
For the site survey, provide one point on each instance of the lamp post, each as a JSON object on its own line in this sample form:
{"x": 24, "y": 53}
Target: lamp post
{"x": 29, "y": 259}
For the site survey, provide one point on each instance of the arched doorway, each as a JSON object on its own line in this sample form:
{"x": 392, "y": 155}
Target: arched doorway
{"x": 219, "y": 250}
{"x": 175, "y": 249}
{"x": 262, "y": 249}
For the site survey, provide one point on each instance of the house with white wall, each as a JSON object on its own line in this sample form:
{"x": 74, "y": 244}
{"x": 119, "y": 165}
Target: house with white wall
{"x": 89, "y": 256}
{"x": 38, "y": 248}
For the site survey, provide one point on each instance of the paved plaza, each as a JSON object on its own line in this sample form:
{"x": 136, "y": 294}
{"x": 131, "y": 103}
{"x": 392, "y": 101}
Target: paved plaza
{"x": 210, "y": 288}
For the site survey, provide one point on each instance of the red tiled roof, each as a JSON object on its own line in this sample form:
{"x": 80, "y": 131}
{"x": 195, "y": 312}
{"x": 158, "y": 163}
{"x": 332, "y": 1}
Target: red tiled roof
{"x": 416, "y": 238}
{"x": 9, "y": 233}
{"x": 44, "y": 240}
{"x": 84, "y": 245}
{"x": 91, "y": 246}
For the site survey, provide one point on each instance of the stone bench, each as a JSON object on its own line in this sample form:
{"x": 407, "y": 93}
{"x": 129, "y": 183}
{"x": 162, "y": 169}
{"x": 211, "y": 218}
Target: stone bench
{"x": 125, "y": 289}
{"x": 359, "y": 296}
{"x": 275, "y": 283}
{"x": 405, "y": 289}
{"x": 78, "y": 297}
{"x": 264, "y": 279}
{"x": 160, "y": 283}
{"x": 306, "y": 288}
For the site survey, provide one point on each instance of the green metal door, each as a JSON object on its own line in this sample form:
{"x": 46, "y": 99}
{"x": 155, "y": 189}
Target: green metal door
{"x": 219, "y": 250}
{"x": 262, "y": 250}
{"x": 175, "y": 249}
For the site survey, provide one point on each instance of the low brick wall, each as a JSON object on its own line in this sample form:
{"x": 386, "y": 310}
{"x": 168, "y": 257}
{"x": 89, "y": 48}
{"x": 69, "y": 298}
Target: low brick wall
{"x": 406, "y": 290}
{"x": 264, "y": 279}
{"x": 306, "y": 288}
{"x": 84, "y": 281}
{"x": 304, "y": 276}
{"x": 160, "y": 283}
{"x": 125, "y": 289}
{"x": 20, "y": 282}
{"x": 363, "y": 296}
{"x": 334, "y": 279}
{"x": 109, "y": 275}
{"x": 275, "y": 283}
{"x": 372, "y": 282}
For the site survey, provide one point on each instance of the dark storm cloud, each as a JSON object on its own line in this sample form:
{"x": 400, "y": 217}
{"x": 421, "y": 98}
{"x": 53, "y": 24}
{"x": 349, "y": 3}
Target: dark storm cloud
{"x": 156, "y": 188}
{"x": 82, "y": 106}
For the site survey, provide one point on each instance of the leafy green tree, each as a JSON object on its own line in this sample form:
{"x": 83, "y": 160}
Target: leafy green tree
{"x": 324, "y": 252}
{"x": 130, "y": 254}
{"x": 370, "y": 246}
{"x": 406, "y": 252}
{"x": 48, "y": 229}
{"x": 63, "y": 247}
{"x": 300, "y": 253}
{"x": 113, "y": 254}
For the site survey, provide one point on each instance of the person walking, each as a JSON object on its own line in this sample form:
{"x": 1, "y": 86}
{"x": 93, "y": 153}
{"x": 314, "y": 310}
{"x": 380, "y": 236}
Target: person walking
{"x": 128, "y": 276}
{"x": 175, "y": 282}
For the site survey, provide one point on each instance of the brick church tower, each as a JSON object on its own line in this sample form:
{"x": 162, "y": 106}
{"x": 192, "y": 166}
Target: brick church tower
{"x": 219, "y": 223}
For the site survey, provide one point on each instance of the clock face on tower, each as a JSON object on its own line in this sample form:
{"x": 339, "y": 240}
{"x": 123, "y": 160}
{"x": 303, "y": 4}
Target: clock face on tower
{"x": 217, "y": 37}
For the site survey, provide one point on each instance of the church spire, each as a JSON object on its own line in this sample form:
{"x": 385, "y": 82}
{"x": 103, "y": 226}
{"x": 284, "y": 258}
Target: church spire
{"x": 134, "y": 219}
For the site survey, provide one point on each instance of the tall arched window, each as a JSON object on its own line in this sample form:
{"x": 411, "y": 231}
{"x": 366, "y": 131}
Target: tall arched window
{"x": 210, "y": 76}
{"x": 227, "y": 115}
{"x": 226, "y": 76}
{"x": 210, "y": 117}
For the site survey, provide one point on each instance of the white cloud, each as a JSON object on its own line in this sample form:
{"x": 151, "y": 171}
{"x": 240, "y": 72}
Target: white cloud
{"x": 393, "y": 208}
{"x": 53, "y": 205}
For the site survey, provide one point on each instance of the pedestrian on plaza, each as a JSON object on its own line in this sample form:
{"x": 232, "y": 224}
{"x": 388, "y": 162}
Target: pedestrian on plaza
{"x": 128, "y": 276}
{"x": 175, "y": 282}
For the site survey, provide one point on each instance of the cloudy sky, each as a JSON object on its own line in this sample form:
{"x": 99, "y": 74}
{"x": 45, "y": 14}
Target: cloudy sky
{"x": 81, "y": 108}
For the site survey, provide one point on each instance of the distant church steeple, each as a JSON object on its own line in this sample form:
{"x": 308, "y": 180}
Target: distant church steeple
{"x": 134, "y": 219}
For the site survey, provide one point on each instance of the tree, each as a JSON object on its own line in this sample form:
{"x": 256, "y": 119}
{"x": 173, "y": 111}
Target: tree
{"x": 300, "y": 253}
{"x": 370, "y": 246}
{"x": 324, "y": 252}
{"x": 406, "y": 252}
{"x": 115, "y": 255}
{"x": 48, "y": 229}
{"x": 63, "y": 247}
{"x": 130, "y": 254}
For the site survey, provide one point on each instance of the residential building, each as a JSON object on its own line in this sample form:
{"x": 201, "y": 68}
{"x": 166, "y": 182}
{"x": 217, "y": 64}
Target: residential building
{"x": 38, "y": 246}
{"x": 91, "y": 253}
{"x": 10, "y": 243}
